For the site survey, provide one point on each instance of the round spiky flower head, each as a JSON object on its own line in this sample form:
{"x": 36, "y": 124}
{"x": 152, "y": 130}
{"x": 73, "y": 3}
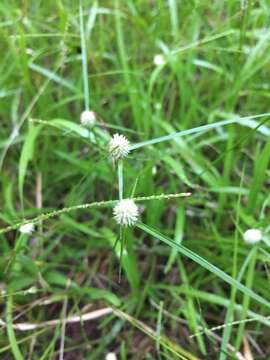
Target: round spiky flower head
{"x": 126, "y": 212}
{"x": 88, "y": 118}
{"x": 27, "y": 228}
{"x": 111, "y": 356}
{"x": 119, "y": 146}
{"x": 159, "y": 60}
{"x": 252, "y": 236}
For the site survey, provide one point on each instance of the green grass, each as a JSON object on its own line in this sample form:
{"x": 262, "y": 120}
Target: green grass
{"x": 182, "y": 284}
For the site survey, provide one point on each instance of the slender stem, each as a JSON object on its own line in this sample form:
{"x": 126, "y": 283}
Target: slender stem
{"x": 84, "y": 61}
{"x": 120, "y": 179}
{"x": 108, "y": 203}
{"x": 246, "y": 299}
{"x": 10, "y": 331}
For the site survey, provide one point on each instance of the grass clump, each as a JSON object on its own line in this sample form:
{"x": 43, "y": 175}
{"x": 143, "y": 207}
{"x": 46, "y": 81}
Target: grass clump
{"x": 156, "y": 114}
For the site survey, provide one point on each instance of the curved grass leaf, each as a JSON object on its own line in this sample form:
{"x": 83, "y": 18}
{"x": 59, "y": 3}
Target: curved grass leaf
{"x": 207, "y": 265}
{"x": 195, "y": 130}
{"x": 26, "y": 155}
{"x": 10, "y": 332}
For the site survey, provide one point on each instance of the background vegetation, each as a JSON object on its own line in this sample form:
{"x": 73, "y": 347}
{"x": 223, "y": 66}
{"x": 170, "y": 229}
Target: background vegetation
{"x": 216, "y": 68}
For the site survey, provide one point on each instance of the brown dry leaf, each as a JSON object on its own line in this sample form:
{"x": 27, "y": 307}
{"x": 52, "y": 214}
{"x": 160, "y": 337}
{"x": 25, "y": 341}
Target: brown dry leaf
{"x": 246, "y": 349}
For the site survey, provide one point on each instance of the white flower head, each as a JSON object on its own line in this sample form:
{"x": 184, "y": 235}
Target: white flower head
{"x": 159, "y": 60}
{"x": 154, "y": 170}
{"x": 27, "y": 228}
{"x": 252, "y": 236}
{"x": 119, "y": 146}
{"x": 88, "y": 118}
{"x": 29, "y": 51}
{"x": 111, "y": 356}
{"x": 126, "y": 212}
{"x": 158, "y": 106}
{"x": 31, "y": 290}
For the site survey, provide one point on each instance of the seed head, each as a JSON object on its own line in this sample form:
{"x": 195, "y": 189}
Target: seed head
{"x": 252, "y": 236}
{"x": 31, "y": 290}
{"x": 159, "y": 60}
{"x": 119, "y": 146}
{"x": 27, "y": 228}
{"x": 111, "y": 356}
{"x": 126, "y": 212}
{"x": 88, "y": 118}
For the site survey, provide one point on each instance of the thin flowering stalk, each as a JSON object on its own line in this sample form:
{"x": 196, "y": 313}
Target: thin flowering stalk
{"x": 108, "y": 203}
{"x": 120, "y": 179}
{"x": 122, "y": 239}
{"x": 121, "y": 230}
{"x": 84, "y": 61}
{"x": 233, "y": 323}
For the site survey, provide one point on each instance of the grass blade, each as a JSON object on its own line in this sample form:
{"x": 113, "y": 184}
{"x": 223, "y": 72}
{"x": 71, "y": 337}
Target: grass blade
{"x": 26, "y": 156}
{"x": 204, "y": 263}
{"x": 52, "y": 76}
{"x": 195, "y": 130}
{"x": 259, "y": 176}
{"x": 10, "y": 331}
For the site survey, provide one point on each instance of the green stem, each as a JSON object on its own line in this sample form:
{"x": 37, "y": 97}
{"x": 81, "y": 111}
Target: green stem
{"x": 120, "y": 179}
{"x": 10, "y": 331}
{"x": 107, "y": 203}
{"x": 84, "y": 61}
{"x": 246, "y": 299}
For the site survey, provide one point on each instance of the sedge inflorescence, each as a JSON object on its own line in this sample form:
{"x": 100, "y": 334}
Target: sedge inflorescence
{"x": 159, "y": 60}
{"x": 111, "y": 356}
{"x": 126, "y": 212}
{"x": 27, "y": 228}
{"x": 88, "y": 118}
{"x": 119, "y": 147}
{"x": 252, "y": 236}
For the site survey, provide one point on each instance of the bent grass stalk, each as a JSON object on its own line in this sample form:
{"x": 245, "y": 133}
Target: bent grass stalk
{"x": 108, "y": 203}
{"x": 204, "y": 263}
{"x": 10, "y": 331}
{"x": 199, "y": 129}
